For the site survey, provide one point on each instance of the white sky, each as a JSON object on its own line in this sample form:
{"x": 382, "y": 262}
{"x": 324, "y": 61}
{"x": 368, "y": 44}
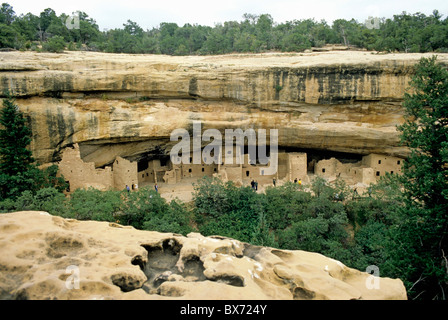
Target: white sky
{"x": 150, "y": 13}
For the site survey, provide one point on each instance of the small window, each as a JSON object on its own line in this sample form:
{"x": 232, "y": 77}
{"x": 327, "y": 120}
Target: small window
{"x": 323, "y": 170}
{"x": 262, "y": 172}
{"x": 203, "y": 169}
{"x": 377, "y": 173}
{"x": 247, "y": 173}
{"x": 398, "y": 162}
{"x": 189, "y": 170}
{"x": 391, "y": 172}
{"x": 146, "y": 173}
{"x": 379, "y": 161}
{"x": 143, "y": 175}
{"x": 214, "y": 169}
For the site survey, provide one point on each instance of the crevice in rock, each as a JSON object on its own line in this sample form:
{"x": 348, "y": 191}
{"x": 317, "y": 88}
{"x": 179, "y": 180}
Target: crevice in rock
{"x": 162, "y": 266}
{"x": 251, "y": 251}
{"x": 138, "y": 261}
{"x": 300, "y": 293}
{"x": 233, "y": 280}
{"x": 126, "y": 282}
{"x": 194, "y": 269}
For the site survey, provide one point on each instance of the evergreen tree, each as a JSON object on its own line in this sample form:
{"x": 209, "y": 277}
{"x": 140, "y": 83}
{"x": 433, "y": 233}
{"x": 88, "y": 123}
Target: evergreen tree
{"x": 421, "y": 240}
{"x": 15, "y": 158}
{"x": 15, "y": 136}
{"x": 18, "y": 172}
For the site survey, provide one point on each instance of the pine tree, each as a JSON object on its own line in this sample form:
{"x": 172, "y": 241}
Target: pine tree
{"x": 18, "y": 172}
{"x": 15, "y": 137}
{"x": 16, "y": 160}
{"x": 422, "y": 248}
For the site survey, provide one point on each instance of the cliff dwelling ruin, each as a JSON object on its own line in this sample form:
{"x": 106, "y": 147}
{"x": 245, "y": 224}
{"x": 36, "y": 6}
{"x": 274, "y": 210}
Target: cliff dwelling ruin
{"x": 292, "y": 166}
{"x": 106, "y": 119}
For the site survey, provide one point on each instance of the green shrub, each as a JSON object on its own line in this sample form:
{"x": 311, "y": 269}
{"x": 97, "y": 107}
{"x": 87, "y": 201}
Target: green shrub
{"x": 93, "y": 204}
{"x": 25, "y": 201}
{"x": 176, "y": 219}
{"x": 285, "y": 204}
{"x": 227, "y": 210}
{"x": 54, "y": 44}
{"x": 50, "y": 200}
{"x": 7, "y": 205}
{"x": 210, "y": 197}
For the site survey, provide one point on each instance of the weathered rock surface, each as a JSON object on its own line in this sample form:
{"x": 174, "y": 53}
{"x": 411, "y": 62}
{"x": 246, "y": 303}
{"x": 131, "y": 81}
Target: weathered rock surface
{"x": 128, "y": 105}
{"x": 48, "y": 257}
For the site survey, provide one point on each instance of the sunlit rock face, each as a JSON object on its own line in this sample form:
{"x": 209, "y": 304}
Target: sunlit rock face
{"x": 128, "y": 105}
{"x": 48, "y": 257}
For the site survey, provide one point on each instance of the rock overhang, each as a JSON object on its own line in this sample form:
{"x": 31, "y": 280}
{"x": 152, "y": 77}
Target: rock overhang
{"x": 128, "y": 105}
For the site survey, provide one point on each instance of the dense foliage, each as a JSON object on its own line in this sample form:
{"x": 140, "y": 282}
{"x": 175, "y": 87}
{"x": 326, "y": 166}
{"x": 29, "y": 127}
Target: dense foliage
{"x": 423, "y": 233}
{"x": 18, "y": 171}
{"x": 360, "y": 231}
{"x": 255, "y": 33}
{"x": 14, "y": 139}
{"x": 354, "y": 231}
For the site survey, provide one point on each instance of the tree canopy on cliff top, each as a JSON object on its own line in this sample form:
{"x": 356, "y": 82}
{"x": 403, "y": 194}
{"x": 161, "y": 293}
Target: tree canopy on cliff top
{"x": 254, "y": 33}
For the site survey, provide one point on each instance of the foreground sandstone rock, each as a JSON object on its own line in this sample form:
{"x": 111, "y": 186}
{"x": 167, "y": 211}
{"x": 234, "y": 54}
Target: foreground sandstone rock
{"x": 48, "y": 257}
{"x": 128, "y": 105}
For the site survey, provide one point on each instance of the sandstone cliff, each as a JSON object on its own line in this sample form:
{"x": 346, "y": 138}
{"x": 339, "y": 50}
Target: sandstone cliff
{"x": 48, "y": 257}
{"x": 127, "y": 105}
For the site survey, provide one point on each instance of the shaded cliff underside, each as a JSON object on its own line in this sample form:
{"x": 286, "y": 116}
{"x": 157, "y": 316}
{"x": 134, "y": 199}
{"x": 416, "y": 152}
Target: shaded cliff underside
{"x": 128, "y": 105}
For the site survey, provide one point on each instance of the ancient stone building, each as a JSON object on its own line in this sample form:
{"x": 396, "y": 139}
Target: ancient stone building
{"x": 80, "y": 174}
{"x": 154, "y": 171}
{"x": 382, "y": 164}
{"x": 83, "y": 175}
{"x": 368, "y": 170}
{"x": 296, "y": 167}
{"x": 124, "y": 173}
{"x": 241, "y": 170}
{"x": 330, "y": 168}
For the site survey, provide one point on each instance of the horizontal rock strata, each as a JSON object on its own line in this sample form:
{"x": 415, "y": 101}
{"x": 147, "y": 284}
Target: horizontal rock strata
{"x": 128, "y": 105}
